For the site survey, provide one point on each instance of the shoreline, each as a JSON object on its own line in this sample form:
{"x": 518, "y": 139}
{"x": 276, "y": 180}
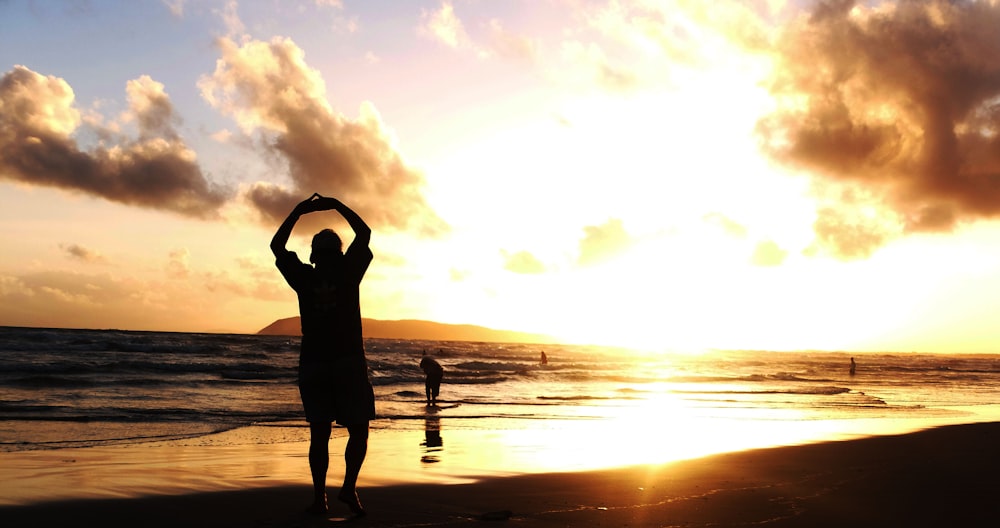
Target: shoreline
{"x": 435, "y": 451}
{"x": 944, "y": 476}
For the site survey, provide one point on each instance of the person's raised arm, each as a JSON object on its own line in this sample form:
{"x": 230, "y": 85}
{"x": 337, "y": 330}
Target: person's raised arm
{"x": 285, "y": 229}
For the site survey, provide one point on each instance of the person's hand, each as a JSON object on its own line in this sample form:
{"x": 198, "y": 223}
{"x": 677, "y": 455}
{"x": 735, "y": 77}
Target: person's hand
{"x": 325, "y": 203}
{"x": 309, "y": 205}
{"x": 319, "y": 202}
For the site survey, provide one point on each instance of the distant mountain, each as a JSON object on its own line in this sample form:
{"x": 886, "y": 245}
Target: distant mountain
{"x": 422, "y": 330}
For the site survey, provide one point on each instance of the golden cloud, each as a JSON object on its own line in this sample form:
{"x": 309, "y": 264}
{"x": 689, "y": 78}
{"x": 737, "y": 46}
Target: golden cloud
{"x": 899, "y": 103}
{"x": 268, "y": 88}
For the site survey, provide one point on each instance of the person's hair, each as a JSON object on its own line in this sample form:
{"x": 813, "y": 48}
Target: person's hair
{"x": 327, "y": 239}
{"x": 326, "y": 242}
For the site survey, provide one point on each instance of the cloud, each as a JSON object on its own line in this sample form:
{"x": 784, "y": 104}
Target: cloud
{"x": 222, "y": 136}
{"x": 179, "y": 264}
{"x": 768, "y": 253}
{"x": 510, "y": 45}
{"x": 603, "y": 242}
{"x": 639, "y": 26}
{"x": 37, "y": 123}
{"x": 260, "y": 288}
{"x": 728, "y": 225}
{"x": 626, "y": 45}
{"x": 81, "y": 253}
{"x": 231, "y": 18}
{"x": 150, "y": 107}
{"x": 899, "y": 103}
{"x": 444, "y": 26}
{"x": 523, "y": 262}
{"x": 79, "y": 300}
{"x": 268, "y": 88}
{"x": 492, "y": 39}
{"x": 847, "y": 236}
{"x": 176, "y": 7}
{"x": 610, "y": 76}
{"x": 56, "y": 299}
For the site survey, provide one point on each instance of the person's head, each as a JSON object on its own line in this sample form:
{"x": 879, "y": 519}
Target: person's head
{"x": 326, "y": 247}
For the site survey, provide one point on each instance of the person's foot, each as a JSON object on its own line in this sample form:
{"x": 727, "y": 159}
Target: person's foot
{"x": 350, "y": 498}
{"x": 318, "y": 507}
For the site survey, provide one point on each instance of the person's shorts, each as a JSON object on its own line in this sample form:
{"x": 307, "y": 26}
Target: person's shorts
{"x": 434, "y": 383}
{"x": 337, "y": 391}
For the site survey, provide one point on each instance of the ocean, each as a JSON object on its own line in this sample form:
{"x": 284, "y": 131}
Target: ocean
{"x": 77, "y": 388}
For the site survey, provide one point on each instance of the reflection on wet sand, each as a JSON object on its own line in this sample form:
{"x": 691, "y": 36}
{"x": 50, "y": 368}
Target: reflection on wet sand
{"x": 432, "y": 444}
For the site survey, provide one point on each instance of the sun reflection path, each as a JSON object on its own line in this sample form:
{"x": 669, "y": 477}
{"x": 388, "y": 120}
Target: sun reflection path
{"x": 665, "y": 429}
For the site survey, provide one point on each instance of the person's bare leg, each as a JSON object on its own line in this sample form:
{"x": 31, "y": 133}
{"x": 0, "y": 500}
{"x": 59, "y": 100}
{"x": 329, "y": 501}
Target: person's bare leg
{"x": 354, "y": 457}
{"x": 319, "y": 462}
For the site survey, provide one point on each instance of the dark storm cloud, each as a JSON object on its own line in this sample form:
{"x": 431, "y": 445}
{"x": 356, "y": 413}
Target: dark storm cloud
{"x": 900, "y": 102}
{"x": 267, "y": 87}
{"x": 37, "y": 146}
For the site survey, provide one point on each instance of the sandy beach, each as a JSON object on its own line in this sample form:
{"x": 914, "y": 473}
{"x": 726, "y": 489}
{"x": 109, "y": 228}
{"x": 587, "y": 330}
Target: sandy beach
{"x": 944, "y": 476}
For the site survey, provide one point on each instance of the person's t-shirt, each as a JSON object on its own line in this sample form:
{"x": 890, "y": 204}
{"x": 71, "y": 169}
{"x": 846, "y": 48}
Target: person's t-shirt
{"x": 329, "y": 305}
{"x": 431, "y": 367}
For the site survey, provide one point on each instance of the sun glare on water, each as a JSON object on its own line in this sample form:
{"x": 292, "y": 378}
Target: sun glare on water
{"x": 659, "y": 431}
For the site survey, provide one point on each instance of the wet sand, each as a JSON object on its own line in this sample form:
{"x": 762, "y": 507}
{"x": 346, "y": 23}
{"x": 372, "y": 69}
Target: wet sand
{"x": 945, "y": 476}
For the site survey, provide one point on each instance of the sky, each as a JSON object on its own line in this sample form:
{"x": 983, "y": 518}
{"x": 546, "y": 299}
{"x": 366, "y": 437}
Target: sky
{"x": 668, "y": 175}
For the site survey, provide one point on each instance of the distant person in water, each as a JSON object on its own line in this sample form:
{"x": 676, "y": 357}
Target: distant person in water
{"x": 854, "y": 366}
{"x": 333, "y": 373}
{"x": 435, "y": 373}
{"x": 544, "y": 360}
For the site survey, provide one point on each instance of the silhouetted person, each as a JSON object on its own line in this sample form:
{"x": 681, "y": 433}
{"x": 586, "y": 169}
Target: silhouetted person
{"x": 333, "y": 372}
{"x": 854, "y": 366}
{"x": 544, "y": 360}
{"x": 434, "y": 372}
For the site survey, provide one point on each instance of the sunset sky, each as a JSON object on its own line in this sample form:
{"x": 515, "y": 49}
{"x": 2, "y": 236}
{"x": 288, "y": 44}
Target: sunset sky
{"x": 672, "y": 175}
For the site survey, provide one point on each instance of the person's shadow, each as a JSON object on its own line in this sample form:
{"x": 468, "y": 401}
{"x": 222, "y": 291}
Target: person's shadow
{"x": 432, "y": 444}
